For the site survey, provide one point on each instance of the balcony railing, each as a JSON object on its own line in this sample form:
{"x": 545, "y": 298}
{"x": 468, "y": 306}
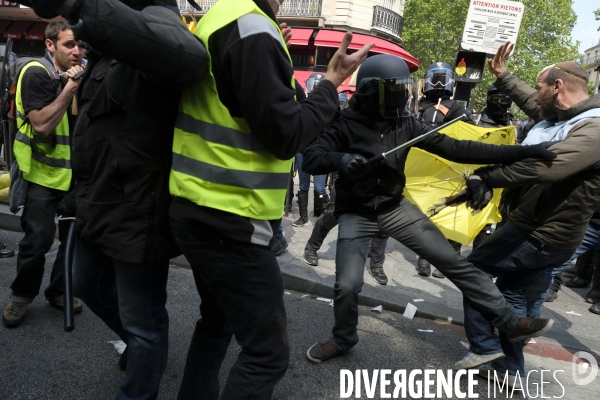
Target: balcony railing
{"x": 205, "y": 5}
{"x": 388, "y": 21}
{"x": 290, "y": 8}
{"x": 301, "y": 8}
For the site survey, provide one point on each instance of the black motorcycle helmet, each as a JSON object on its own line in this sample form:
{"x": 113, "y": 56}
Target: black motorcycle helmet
{"x": 439, "y": 80}
{"x": 313, "y": 80}
{"x": 385, "y": 88}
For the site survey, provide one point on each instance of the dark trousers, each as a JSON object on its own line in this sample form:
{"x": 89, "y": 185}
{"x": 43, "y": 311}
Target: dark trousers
{"x": 241, "y": 289}
{"x": 408, "y": 225}
{"x": 131, "y": 300}
{"x": 37, "y": 221}
{"x": 327, "y": 222}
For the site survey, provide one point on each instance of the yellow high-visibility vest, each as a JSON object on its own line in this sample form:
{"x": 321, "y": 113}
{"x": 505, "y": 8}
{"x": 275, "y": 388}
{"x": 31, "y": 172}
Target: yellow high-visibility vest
{"x": 217, "y": 162}
{"x": 45, "y": 161}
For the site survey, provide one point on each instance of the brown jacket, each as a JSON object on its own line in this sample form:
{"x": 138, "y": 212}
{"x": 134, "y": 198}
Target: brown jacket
{"x": 560, "y": 196}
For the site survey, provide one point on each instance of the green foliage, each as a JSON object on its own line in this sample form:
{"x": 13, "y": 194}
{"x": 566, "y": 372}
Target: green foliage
{"x": 597, "y": 14}
{"x": 433, "y": 31}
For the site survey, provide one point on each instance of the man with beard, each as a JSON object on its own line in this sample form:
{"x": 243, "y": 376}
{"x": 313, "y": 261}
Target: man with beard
{"x": 558, "y": 199}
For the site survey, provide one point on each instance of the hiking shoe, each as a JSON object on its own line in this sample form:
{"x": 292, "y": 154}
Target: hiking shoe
{"x": 376, "y": 271}
{"x": 552, "y": 295}
{"x": 301, "y": 221}
{"x": 472, "y": 360}
{"x": 279, "y": 246}
{"x": 530, "y": 328}
{"x": 438, "y": 274}
{"x": 14, "y": 314}
{"x": 59, "y": 302}
{"x": 123, "y": 360}
{"x": 322, "y": 351}
{"x": 311, "y": 257}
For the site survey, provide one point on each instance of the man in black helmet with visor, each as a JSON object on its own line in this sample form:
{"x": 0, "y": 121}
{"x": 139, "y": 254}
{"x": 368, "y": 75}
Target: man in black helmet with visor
{"x": 436, "y": 108}
{"x": 381, "y": 117}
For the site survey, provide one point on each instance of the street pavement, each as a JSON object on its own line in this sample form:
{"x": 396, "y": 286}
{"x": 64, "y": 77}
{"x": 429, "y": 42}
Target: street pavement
{"x": 38, "y": 360}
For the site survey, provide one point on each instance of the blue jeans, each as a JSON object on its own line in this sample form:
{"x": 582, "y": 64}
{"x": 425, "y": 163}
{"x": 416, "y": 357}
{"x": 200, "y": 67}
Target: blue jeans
{"x": 408, "y": 225}
{"x": 130, "y": 299}
{"x": 319, "y": 180}
{"x": 518, "y": 261}
{"x": 538, "y": 292}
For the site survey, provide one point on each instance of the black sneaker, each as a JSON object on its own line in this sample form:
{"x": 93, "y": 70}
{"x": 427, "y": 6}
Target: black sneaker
{"x": 279, "y": 246}
{"x": 322, "y": 351}
{"x": 301, "y": 221}
{"x": 376, "y": 271}
{"x": 593, "y": 296}
{"x": 530, "y": 328}
{"x": 595, "y": 308}
{"x": 311, "y": 257}
{"x": 552, "y": 295}
{"x": 423, "y": 267}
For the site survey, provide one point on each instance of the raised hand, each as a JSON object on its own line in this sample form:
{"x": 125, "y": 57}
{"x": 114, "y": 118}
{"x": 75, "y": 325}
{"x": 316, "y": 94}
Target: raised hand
{"x": 342, "y": 65}
{"x": 287, "y": 33}
{"x": 497, "y": 65}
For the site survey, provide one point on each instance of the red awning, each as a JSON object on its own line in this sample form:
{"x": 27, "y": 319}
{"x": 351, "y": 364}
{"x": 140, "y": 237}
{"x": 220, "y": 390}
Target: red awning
{"x": 300, "y": 36}
{"x": 17, "y": 29}
{"x": 37, "y": 32}
{"x": 332, "y": 38}
{"x": 3, "y": 24}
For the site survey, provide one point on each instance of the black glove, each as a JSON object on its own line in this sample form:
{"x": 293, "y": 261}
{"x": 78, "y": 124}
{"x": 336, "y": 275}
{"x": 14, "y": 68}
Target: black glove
{"x": 479, "y": 193}
{"x": 353, "y": 165}
{"x": 44, "y": 8}
{"x": 537, "y": 151}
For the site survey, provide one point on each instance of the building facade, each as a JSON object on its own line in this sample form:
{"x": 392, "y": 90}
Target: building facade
{"x": 590, "y": 60}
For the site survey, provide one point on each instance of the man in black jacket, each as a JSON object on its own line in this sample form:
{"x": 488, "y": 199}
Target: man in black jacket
{"x": 141, "y": 59}
{"x": 370, "y": 199}
{"x": 437, "y": 108}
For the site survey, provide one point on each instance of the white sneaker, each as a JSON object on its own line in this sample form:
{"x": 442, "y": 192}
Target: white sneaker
{"x": 472, "y": 360}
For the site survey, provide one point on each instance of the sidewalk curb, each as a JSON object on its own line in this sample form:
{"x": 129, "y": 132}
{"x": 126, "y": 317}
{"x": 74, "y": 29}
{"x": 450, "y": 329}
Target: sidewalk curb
{"x": 301, "y": 284}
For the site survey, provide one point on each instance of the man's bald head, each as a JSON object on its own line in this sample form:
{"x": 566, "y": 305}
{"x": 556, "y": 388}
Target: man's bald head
{"x": 574, "y": 76}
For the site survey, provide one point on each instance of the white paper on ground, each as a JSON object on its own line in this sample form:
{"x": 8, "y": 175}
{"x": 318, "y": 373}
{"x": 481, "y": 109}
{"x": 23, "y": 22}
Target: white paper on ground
{"x": 410, "y": 311}
{"x": 378, "y": 309}
{"x": 573, "y": 313}
{"x": 326, "y": 300}
{"x": 304, "y": 295}
{"x": 417, "y": 300}
{"x": 288, "y": 293}
{"x": 425, "y": 330}
{"x": 531, "y": 341}
{"x": 120, "y": 346}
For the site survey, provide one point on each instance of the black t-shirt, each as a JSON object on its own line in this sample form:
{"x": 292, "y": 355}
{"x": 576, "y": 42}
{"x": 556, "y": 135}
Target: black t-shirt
{"x": 38, "y": 89}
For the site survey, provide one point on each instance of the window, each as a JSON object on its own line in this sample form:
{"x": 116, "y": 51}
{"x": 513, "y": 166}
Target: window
{"x": 388, "y": 4}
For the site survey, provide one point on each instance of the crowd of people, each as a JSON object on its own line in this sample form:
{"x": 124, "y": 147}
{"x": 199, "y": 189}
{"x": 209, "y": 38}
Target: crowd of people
{"x": 190, "y": 153}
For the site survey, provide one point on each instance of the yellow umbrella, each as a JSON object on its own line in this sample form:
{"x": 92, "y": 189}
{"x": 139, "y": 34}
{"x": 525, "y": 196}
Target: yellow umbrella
{"x": 430, "y": 177}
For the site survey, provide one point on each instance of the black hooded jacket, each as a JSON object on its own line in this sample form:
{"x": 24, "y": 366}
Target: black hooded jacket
{"x": 381, "y": 188}
{"x": 123, "y": 138}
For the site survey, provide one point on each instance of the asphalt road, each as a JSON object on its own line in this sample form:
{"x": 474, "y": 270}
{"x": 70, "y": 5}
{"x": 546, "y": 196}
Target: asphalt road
{"x": 38, "y": 360}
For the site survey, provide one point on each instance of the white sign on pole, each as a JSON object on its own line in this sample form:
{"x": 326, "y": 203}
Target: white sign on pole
{"x": 490, "y": 24}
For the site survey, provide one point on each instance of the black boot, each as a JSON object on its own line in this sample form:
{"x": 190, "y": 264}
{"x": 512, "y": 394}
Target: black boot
{"x": 303, "y": 208}
{"x": 324, "y": 202}
{"x": 585, "y": 269}
{"x": 423, "y": 267}
{"x": 593, "y": 295}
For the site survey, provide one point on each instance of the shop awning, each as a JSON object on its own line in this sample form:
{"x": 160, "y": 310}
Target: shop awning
{"x": 300, "y": 36}
{"x": 37, "y": 32}
{"x": 3, "y": 24}
{"x": 17, "y": 29}
{"x": 332, "y": 38}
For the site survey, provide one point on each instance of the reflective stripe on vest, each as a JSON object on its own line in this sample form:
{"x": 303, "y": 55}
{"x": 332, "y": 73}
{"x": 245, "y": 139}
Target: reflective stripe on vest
{"x": 44, "y": 160}
{"x": 217, "y": 162}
